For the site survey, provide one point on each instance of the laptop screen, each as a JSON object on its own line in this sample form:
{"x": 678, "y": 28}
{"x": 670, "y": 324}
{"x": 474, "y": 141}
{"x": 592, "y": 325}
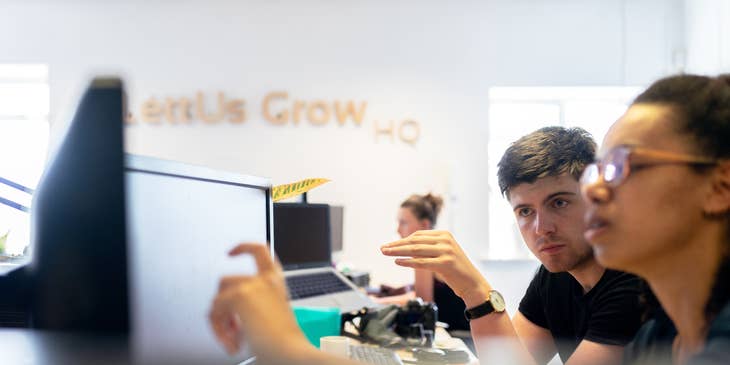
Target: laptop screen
{"x": 302, "y": 235}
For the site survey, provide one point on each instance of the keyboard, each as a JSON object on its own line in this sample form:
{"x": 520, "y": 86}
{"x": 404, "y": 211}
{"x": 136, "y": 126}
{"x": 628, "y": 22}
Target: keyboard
{"x": 310, "y": 285}
{"x": 374, "y": 355}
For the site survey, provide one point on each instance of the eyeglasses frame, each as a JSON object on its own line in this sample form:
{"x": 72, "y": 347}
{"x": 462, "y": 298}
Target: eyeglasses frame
{"x": 664, "y": 157}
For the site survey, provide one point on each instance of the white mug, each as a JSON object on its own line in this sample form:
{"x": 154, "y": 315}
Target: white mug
{"x": 335, "y": 345}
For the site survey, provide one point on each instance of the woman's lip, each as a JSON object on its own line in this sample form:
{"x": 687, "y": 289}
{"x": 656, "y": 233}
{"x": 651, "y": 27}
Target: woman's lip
{"x": 595, "y": 225}
{"x": 594, "y": 231}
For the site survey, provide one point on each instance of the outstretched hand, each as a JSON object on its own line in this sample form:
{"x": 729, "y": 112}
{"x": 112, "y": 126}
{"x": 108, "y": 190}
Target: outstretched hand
{"x": 256, "y": 307}
{"x": 439, "y": 252}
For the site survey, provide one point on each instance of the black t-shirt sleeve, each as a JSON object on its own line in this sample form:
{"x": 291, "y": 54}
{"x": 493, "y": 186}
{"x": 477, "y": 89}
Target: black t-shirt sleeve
{"x": 616, "y": 313}
{"x": 531, "y": 305}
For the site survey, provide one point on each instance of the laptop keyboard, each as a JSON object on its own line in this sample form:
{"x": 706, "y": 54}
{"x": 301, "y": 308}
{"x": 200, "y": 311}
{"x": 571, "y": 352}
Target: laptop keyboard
{"x": 310, "y": 285}
{"x": 374, "y": 355}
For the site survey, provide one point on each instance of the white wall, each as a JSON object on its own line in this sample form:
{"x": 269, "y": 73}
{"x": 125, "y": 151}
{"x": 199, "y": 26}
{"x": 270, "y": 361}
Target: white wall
{"x": 708, "y": 36}
{"x": 431, "y": 61}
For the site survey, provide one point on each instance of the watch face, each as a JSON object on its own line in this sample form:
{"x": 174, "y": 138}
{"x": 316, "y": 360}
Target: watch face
{"x": 497, "y": 301}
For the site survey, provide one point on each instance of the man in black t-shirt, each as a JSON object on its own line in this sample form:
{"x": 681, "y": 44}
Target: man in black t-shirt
{"x": 607, "y": 314}
{"x": 573, "y": 307}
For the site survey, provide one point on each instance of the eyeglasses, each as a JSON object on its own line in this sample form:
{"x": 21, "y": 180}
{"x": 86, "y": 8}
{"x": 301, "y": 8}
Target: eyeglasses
{"x": 616, "y": 166}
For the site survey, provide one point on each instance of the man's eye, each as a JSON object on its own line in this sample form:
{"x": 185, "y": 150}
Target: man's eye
{"x": 524, "y": 212}
{"x": 560, "y": 203}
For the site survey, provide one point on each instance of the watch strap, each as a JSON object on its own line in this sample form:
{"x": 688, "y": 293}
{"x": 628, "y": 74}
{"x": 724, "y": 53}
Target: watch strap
{"x": 479, "y": 311}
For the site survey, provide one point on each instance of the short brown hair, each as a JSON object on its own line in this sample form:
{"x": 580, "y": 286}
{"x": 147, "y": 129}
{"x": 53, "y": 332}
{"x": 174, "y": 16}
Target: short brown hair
{"x": 548, "y": 151}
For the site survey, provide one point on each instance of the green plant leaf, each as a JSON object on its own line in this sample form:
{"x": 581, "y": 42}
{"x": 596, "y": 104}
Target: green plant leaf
{"x": 3, "y": 238}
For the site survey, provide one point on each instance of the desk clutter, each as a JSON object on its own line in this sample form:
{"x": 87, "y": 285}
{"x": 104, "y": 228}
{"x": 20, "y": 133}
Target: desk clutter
{"x": 424, "y": 356}
{"x": 371, "y": 354}
{"x": 413, "y": 324}
{"x": 381, "y": 335}
{"x": 374, "y": 355}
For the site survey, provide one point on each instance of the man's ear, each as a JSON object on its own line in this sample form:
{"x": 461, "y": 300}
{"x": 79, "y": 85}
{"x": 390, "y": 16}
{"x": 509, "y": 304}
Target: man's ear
{"x": 718, "y": 202}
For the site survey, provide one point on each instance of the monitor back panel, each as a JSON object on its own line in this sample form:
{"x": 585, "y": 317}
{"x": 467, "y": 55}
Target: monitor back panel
{"x": 336, "y": 227}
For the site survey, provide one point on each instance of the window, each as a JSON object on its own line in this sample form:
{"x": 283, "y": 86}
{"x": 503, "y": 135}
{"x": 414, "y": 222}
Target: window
{"x": 24, "y": 129}
{"x": 516, "y": 111}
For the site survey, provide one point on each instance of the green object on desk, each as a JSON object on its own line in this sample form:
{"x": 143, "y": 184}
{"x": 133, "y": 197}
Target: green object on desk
{"x": 318, "y": 322}
{"x": 3, "y": 239}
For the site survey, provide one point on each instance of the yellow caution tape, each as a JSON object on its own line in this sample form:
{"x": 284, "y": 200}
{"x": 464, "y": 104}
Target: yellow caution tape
{"x": 281, "y": 192}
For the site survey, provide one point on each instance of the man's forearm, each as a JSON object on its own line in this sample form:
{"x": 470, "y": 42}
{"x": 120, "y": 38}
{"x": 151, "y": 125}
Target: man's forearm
{"x": 495, "y": 331}
{"x": 494, "y": 324}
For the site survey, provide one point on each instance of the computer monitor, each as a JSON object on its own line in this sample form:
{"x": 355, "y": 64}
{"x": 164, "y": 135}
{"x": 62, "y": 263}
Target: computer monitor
{"x": 302, "y": 234}
{"x": 336, "y": 222}
{"x": 78, "y": 230}
{"x": 181, "y": 222}
{"x": 133, "y": 245}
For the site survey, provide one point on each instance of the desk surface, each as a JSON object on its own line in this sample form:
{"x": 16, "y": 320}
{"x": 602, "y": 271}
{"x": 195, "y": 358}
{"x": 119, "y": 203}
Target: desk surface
{"x": 443, "y": 340}
{"x": 26, "y": 346}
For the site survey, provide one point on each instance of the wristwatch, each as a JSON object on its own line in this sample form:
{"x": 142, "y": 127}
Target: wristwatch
{"x": 495, "y": 303}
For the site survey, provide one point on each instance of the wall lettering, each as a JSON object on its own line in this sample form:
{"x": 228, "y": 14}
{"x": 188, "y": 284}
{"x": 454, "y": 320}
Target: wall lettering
{"x": 408, "y": 131}
{"x": 276, "y": 108}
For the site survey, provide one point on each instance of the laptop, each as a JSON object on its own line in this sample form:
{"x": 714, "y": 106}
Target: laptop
{"x": 302, "y": 242}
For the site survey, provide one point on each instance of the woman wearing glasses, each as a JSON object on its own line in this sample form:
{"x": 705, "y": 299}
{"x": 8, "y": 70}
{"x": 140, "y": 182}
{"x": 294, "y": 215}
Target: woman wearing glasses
{"x": 659, "y": 206}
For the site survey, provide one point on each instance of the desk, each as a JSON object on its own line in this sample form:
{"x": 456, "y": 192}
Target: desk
{"x": 27, "y": 346}
{"x": 37, "y": 347}
{"x": 443, "y": 340}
